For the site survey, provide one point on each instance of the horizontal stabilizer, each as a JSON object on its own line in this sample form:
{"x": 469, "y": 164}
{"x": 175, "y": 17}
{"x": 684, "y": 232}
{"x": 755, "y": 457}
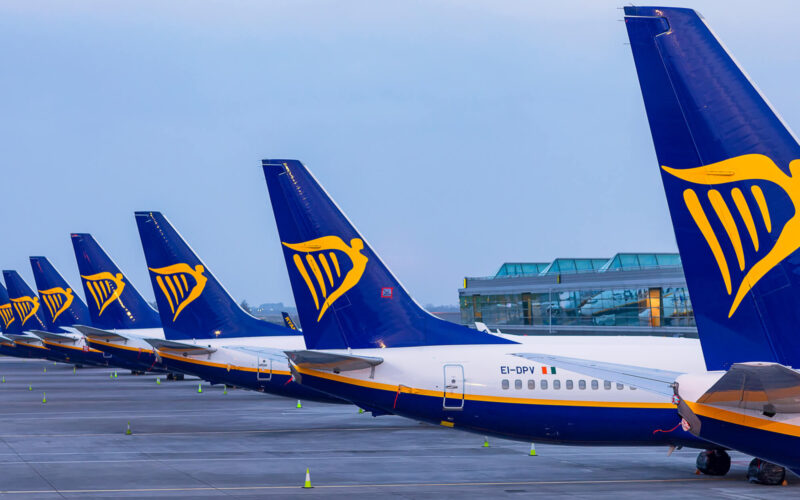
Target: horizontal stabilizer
{"x": 5, "y": 340}
{"x": 658, "y": 381}
{"x": 100, "y": 334}
{"x": 319, "y": 360}
{"x": 182, "y": 347}
{"x": 30, "y": 339}
{"x": 57, "y": 337}
{"x": 769, "y": 387}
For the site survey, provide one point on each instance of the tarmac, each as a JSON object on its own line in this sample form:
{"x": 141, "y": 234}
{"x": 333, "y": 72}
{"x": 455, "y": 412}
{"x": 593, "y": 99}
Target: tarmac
{"x": 185, "y": 444}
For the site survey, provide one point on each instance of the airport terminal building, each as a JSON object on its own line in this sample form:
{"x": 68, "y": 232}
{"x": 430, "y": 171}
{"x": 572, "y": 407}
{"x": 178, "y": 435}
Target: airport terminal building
{"x": 628, "y": 294}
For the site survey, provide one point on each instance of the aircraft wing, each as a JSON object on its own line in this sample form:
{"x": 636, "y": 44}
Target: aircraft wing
{"x": 650, "y": 379}
{"x": 23, "y": 337}
{"x": 58, "y": 337}
{"x": 97, "y": 333}
{"x": 179, "y": 347}
{"x": 769, "y": 387}
{"x": 320, "y": 360}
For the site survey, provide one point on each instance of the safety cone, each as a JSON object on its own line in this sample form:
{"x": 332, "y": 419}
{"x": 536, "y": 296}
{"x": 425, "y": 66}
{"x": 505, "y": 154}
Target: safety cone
{"x": 298, "y": 404}
{"x": 485, "y": 442}
{"x": 4, "y": 379}
{"x": 533, "y": 450}
{"x": 44, "y": 397}
{"x": 158, "y": 380}
{"x": 361, "y": 410}
{"x": 115, "y": 373}
{"x": 30, "y": 387}
{"x": 225, "y": 389}
{"x": 199, "y": 388}
{"x": 73, "y": 370}
{"x": 128, "y": 430}
{"x": 111, "y": 375}
{"x": 45, "y": 369}
{"x": 307, "y": 483}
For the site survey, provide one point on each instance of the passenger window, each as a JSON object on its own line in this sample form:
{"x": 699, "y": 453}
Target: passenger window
{"x": 620, "y": 386}
{"x": 569, "y": 385}
{"x": 518, "y": 384}
{"x": 531, "y": 384}
{"x": 556, "y": 384}
{"x": 504, "y": 383}
{"x": 543, "y": 385}
{"x": 607, "y": 385}
{"x": 582, "y": 385}
{"x": 595, "y": 385}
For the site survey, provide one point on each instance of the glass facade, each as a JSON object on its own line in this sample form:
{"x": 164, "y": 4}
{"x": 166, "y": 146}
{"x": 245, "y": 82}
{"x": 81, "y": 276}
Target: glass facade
{"x": 643, "y": 291}
{"x": 653, "y": 307}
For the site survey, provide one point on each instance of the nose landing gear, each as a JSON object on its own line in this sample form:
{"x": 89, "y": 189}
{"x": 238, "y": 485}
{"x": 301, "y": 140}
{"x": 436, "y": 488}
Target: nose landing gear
{"x": 714, "y": 462}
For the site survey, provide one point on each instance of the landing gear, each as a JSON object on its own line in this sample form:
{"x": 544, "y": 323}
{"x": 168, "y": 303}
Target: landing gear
{"x": 714, "y": 462}
{"x": 763, "y": 472}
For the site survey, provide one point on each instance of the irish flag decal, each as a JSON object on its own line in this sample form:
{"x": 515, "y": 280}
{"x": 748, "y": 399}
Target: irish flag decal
{"x": 551, "y": 370}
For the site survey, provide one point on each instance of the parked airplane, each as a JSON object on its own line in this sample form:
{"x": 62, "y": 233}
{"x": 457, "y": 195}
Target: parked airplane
{"x": 723, "y": 150}
{"x": 369, "y": 342}
{"x": 9, "y": 324}
{"x": 27, "y": 314}
{"x": 63, "y": 309}
{"x": 121, "y": 319}
{"x": 207, "y": 333}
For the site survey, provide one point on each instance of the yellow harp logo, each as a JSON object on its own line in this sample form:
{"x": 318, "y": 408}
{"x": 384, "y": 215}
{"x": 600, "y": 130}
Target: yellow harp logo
{"x": 753, "y": 167}
{"x": 25, "y": 307}
{"x": 104, "y": 288}
{"x": 57, "y": 301}
{"x": 7, "y": 314}
{"x": 317, "y": 254}
{"x": 177, "y": 289}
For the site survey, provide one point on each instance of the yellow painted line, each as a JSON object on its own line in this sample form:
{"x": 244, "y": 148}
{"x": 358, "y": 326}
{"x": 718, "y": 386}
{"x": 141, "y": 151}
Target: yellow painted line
{"x": 378, "y": 485}
{"x": 753, "y": 422}
{"x": 216, "y": 365}
{"x": 484, "y": 398}
{"x": 118, "y": 346}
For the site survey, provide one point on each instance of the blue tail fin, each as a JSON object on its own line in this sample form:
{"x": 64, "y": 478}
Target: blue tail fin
{"x": 345, "y": 295}
{"x": 730, "y": 171}
{"x": 61, "y": 304}
{"x": 287, "y": 320}
{"x": 25, "y": 303}
{"x": 8, "y": 321}
{"x": 191, "y": 302}
{"x": 114, "y": 303}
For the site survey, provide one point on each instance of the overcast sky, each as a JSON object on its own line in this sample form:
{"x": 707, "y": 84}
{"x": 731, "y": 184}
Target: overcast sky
{"x": 455, "y": 134}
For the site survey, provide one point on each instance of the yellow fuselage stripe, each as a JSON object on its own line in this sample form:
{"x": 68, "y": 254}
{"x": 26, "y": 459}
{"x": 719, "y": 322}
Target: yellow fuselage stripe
{"x": 480, "y": 397}
{"x": 216, "y": 365}
{"x": 118, "y": 346}
{"x": 56, "y": 344}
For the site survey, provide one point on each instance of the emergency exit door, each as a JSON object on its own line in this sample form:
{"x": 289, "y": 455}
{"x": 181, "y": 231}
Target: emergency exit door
{"x": 264, "y": 370}
{"x": 453, "y": 387}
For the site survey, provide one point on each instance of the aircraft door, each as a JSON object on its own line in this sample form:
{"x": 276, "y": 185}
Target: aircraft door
{"x": 264, "y": 370}
{"x": 453, "y": 387}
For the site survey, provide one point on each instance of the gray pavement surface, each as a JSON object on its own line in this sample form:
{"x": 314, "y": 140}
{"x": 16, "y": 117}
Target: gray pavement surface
{"x": 186, "y": 444}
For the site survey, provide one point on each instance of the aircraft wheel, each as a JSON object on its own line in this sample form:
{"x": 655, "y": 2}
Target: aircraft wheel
{"x": 714, "y": 462}
{"x": 179, "y": 376}
{"x": 763, "y": 472}
{"x": 170, "y": 376}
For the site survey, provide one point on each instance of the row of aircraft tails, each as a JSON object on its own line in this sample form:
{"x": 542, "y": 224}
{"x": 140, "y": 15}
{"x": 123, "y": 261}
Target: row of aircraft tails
{"x": 727, "y": 162}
